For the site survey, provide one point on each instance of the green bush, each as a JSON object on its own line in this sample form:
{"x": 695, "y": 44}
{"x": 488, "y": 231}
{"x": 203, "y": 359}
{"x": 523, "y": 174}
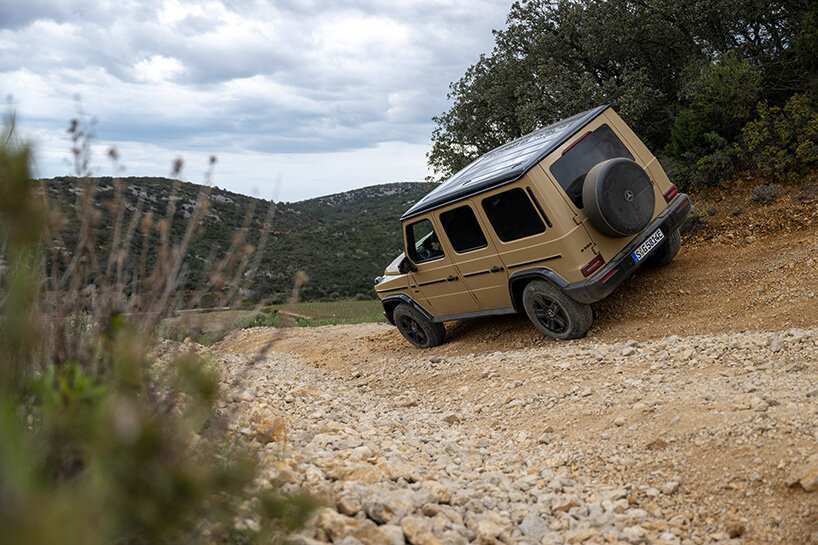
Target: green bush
{"x": 100, "y": 444}
{"x": 782, "y": 142}
{"x": 267, "y": 319}
{"x": 720, "y": 98}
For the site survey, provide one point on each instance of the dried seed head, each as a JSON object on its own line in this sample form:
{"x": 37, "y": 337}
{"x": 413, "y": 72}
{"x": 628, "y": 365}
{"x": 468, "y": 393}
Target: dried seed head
{"x": 113, "y": 154}
{"x": 301, "y": 278}
{"x": 178, "y": 163}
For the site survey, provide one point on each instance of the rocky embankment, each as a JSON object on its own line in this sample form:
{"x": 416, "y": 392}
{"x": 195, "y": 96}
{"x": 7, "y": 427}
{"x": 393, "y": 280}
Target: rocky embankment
{"x": 577, "y": 442}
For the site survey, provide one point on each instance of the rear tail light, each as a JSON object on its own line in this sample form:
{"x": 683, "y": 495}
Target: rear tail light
{"x": 671, "y": 193}
{"x": 592, "y": 266}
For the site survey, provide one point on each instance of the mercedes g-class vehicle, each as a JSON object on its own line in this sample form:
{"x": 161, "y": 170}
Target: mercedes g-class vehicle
{"x": 544, "y": 225}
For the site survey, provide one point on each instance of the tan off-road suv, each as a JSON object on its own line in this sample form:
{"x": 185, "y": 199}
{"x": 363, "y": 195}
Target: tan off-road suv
{"x": 545, "y": 225}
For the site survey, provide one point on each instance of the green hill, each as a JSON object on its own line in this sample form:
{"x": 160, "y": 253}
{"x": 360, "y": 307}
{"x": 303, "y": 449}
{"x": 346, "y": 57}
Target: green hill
{"x": 341, "y": 241}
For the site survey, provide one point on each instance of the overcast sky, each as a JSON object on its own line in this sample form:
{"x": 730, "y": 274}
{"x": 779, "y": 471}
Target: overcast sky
{"x": 326, "y": 95}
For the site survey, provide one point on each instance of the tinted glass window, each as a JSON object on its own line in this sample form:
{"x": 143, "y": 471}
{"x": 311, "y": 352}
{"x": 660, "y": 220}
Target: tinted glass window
{"x": 462, "y": 229}
{"x": 571, "y": 168}
{"x": 422, "y": 243}
{"x": 512, "y": 215}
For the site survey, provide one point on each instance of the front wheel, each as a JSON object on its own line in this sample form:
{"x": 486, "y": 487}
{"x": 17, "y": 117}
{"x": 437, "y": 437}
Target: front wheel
{"x": 419, "y": 331}
{"x": 554, "y": 313}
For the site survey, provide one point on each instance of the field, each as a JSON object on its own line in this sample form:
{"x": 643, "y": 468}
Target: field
{"x": 210, "y": 326}
{"x": 332, "y": 313}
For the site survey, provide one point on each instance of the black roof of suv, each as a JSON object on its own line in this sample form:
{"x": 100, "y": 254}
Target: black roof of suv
{"x": 505, "y": 164}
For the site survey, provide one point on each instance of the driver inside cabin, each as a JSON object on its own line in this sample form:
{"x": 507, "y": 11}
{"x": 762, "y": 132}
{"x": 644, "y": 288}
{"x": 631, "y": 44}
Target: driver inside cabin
{"x": 429, "y": 248}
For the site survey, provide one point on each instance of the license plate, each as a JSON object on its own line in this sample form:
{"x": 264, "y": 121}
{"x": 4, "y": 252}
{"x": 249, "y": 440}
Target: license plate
{"x": 646, "y": 247}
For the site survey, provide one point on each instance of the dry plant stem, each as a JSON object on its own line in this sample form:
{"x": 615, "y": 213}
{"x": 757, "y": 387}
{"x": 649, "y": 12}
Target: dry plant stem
{"x": 145, "y": 228}
{"x": 117, "y": 208}
{"x": 171, "y": 279}
{"x": 300, "y": 279}
{"x": 126, "y": 245}
{"x": 237, "y": 280}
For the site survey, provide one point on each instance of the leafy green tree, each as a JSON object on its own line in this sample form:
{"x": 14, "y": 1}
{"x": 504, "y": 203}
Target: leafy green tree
{"x": 783, "y": 142}
{"x": 721, "y": 99}
{"x": 560, "y": 57}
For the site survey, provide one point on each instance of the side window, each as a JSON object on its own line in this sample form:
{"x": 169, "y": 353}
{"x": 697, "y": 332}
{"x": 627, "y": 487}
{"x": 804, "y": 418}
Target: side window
{"x": 593, "y": 148}
{"x": 463, "y": 230}
{"x": 512, "y": 215}
{"x": 422, "y": 243}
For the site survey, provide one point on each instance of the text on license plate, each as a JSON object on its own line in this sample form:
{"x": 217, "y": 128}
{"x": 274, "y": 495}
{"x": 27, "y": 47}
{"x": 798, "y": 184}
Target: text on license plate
{"x": 646, "y": 247}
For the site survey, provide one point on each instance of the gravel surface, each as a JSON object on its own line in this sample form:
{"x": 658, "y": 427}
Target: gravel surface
{"x": 703, "y": 439}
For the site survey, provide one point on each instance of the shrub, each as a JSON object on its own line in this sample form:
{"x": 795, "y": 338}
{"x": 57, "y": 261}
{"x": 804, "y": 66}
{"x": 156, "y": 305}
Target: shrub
{"x": 97, "y": 441}
{"x": 720, "y": 99}
{"x": 782, "y": 142}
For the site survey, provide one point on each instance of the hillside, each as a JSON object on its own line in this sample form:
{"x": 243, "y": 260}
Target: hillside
{"x": 341, "y": 241}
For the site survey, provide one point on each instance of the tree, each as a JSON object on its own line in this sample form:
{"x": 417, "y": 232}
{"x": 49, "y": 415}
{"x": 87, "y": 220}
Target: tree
{"x": 559, "y": 57}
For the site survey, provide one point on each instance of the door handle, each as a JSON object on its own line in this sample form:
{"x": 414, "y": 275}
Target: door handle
{"x": 452, "y": 279}
{"x": 496, "y": 269}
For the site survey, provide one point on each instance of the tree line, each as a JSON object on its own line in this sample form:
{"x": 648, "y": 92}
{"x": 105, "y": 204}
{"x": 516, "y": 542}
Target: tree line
{"x": 711, "y": 86}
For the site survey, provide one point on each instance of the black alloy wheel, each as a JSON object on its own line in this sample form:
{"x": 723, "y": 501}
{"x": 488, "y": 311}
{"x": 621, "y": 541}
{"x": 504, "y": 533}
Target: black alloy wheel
{"x": 416, "y": 328}
{"x": 554, "y": 313}
{"x": 412, "y": 330}
{"x": 550, "y": 314}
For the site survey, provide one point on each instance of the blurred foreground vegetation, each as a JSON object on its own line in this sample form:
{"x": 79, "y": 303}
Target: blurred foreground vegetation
{"x": 99, "y": 443}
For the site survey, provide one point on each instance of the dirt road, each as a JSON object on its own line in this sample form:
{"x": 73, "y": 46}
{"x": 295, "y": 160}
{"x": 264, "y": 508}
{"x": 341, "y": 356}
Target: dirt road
{"x": 703, "y": 374}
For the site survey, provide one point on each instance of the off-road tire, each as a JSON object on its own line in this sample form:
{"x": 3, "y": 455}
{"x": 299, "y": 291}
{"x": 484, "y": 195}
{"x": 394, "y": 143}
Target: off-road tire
{"x": 416, "y": 329}
{"x": 665, "y": 253}
{"x": 618, "y": 197}
{"x": 554, "y": 313}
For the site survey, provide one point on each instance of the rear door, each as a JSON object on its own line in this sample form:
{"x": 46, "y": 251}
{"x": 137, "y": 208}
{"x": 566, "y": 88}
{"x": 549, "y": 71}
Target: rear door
{"x": 525, "y": 236}
{"x": 476, "y": 257}
{"x": 437, "y": 278}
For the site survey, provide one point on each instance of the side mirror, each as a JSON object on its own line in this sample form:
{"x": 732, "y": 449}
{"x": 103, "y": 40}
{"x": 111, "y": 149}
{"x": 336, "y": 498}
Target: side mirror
{"x": 406, "y": 266}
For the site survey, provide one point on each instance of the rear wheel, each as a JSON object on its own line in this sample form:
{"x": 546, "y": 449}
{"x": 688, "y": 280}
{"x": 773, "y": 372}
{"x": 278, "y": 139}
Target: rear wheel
{"x": 419, "y": 331}
{"x": 665, "y": 253}
{"x": 554, "y": 313}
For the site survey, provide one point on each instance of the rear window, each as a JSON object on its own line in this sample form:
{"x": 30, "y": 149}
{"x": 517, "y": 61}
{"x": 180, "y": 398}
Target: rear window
{"x": 571, "y": 168}
{"x": 512, "y": 215}
{"x": 462, "y": 229}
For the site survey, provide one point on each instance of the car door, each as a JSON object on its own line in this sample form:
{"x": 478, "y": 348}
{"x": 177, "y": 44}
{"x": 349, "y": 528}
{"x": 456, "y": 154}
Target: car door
{"x": 475, "y": 257}
{"x": 523, "y": 233}
{"x": 436, "y": 277}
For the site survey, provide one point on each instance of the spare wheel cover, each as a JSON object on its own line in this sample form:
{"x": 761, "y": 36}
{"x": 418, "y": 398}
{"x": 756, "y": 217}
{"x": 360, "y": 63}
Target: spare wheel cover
{"x": 618, "y": 198}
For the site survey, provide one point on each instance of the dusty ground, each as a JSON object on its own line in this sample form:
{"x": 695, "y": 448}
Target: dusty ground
{"x": 705, "y": 371}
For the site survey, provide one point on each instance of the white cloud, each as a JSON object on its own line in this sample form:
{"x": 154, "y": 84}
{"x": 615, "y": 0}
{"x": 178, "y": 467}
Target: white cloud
{"x": 333, "y": 93}
{"x": 158, "y": 68}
